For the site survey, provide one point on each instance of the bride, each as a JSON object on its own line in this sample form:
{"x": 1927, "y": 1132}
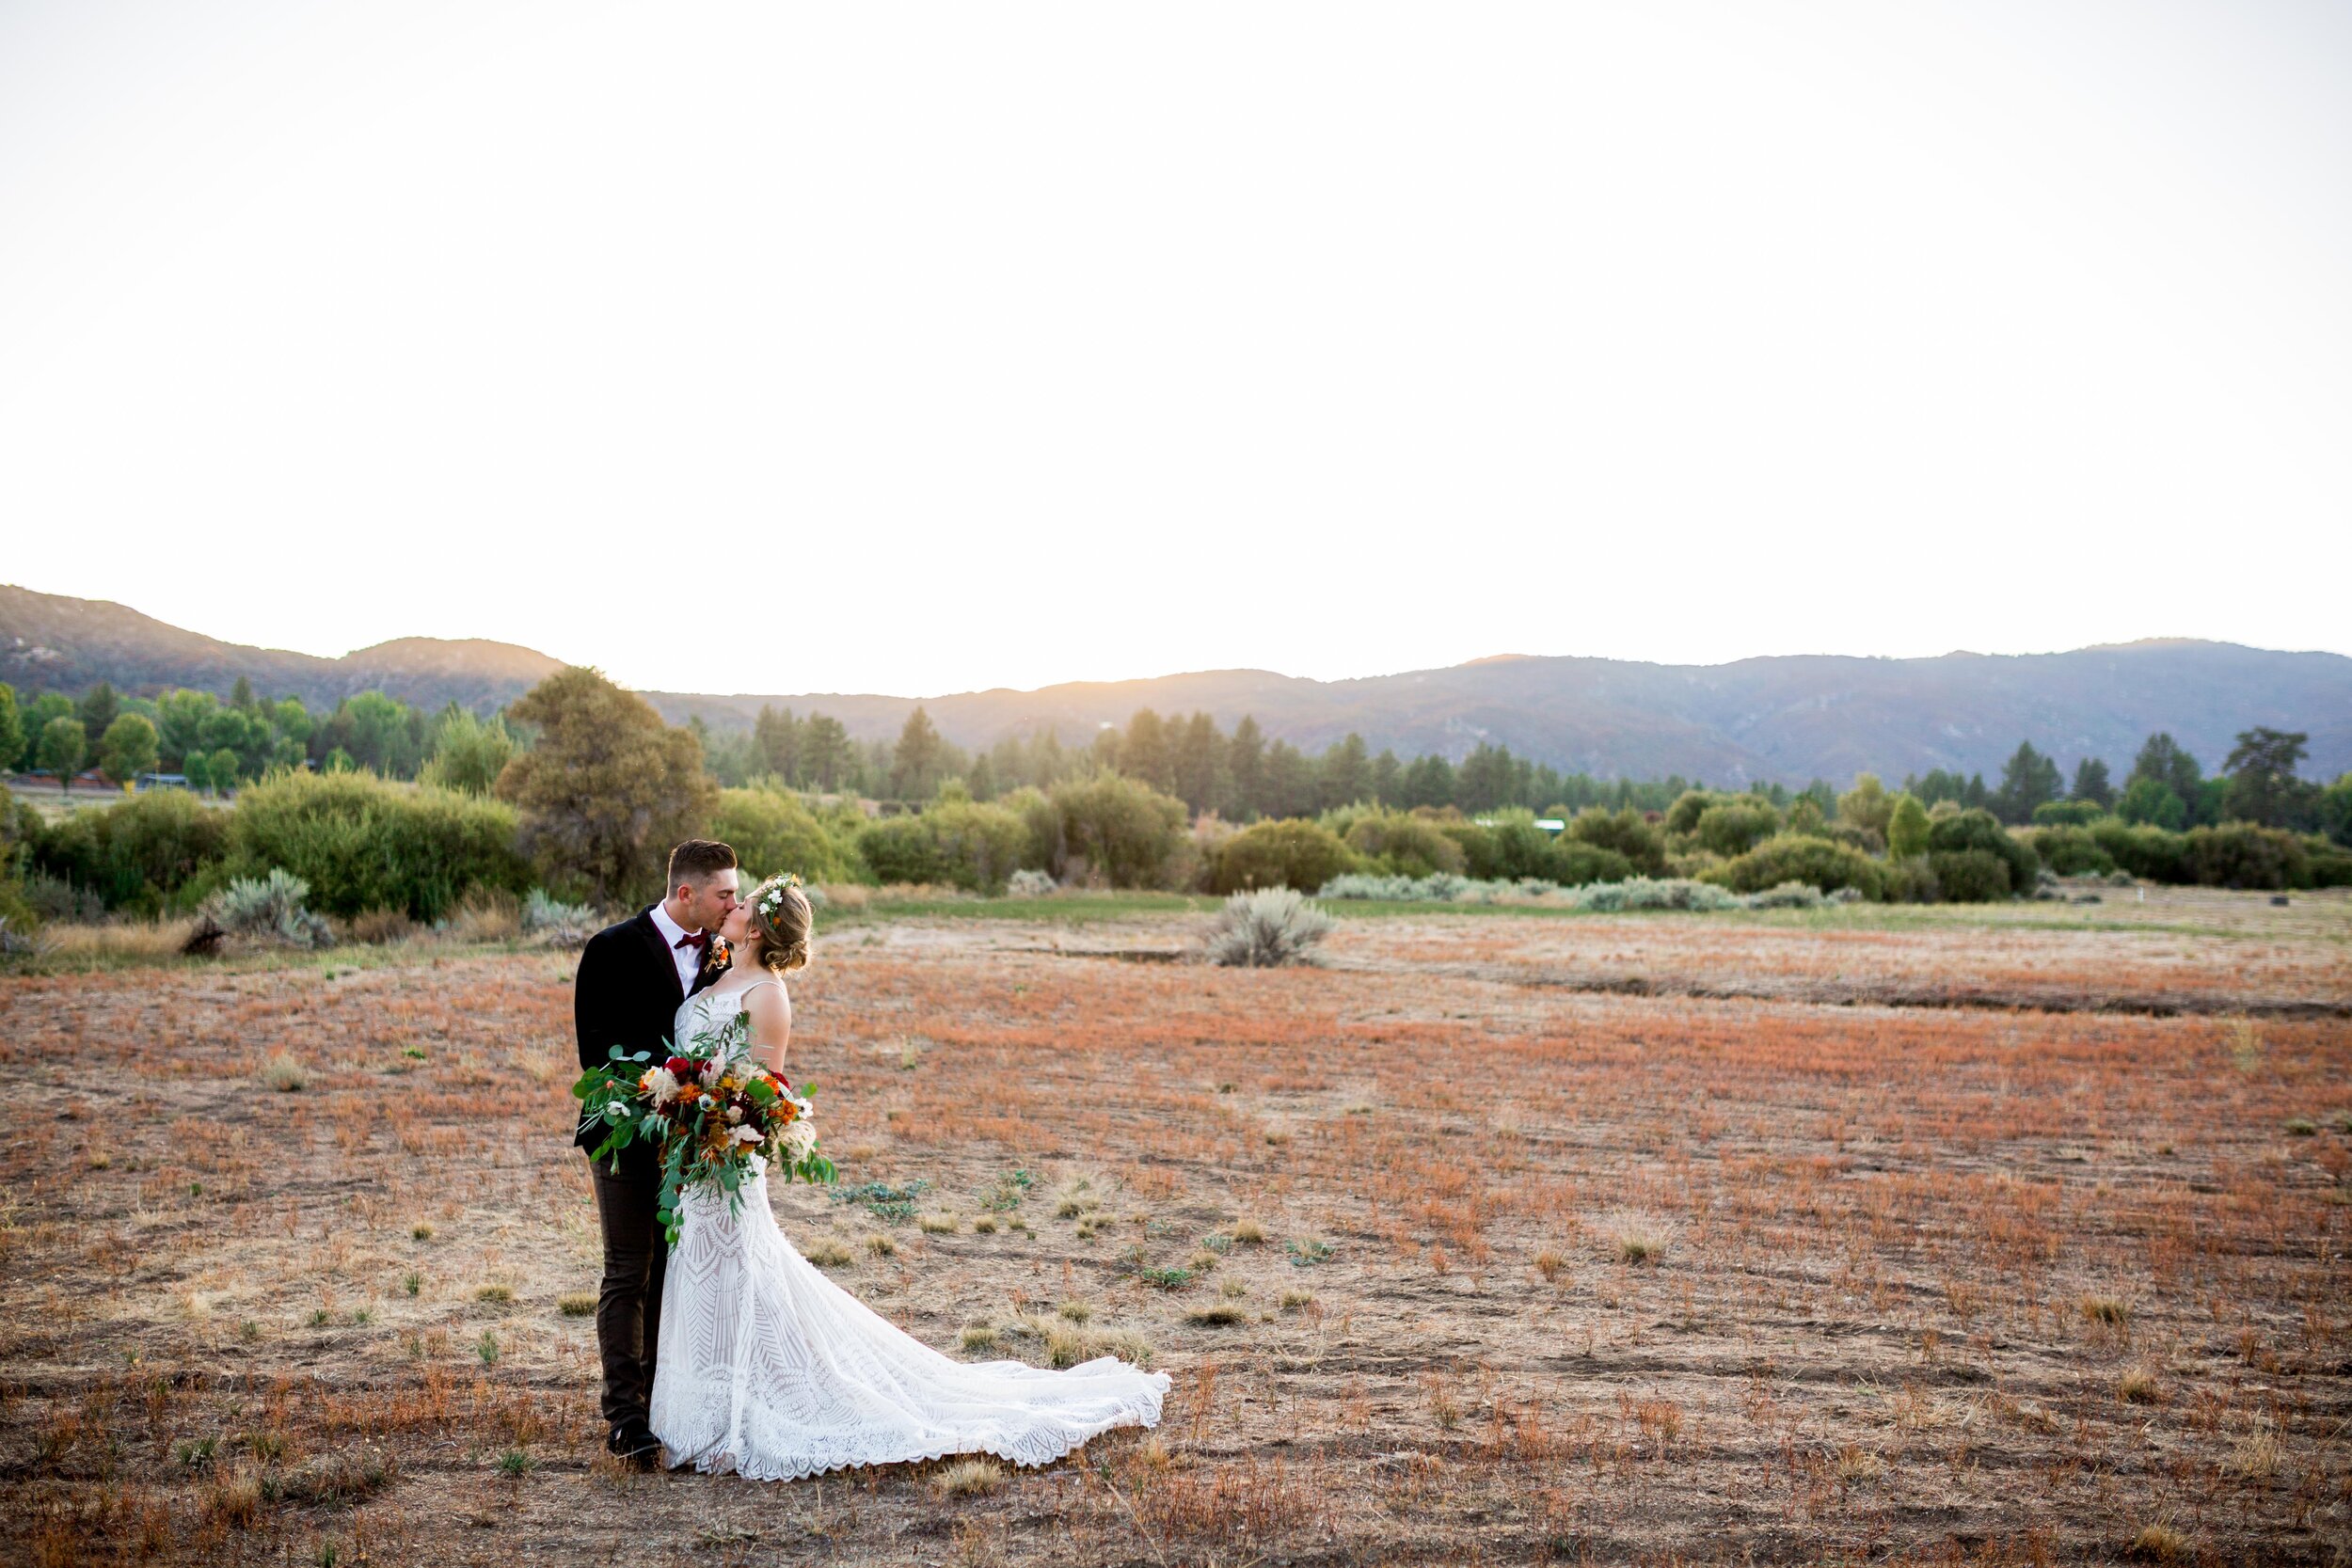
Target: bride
{"x": 769, "y": 1369}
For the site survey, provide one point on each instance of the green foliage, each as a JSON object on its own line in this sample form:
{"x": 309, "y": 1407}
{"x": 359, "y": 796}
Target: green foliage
{"x": 1906, "y": 829}
{"x": 2070, "y": 849}
{"x": 137, "y": 855}
{"x": 968, "y": 844}
{"x": 62, "y": 746}
{"x": 1978, "y": 829}
{"x": 1292, "y": 853}
{"x": 607, "y": 789}
{"x": 1403, "y": 845}
{"x": 771, "y": 832}
{"x": 127, "y": 749}
{"x": 1800, "y": 858}
{"x": 2163, "y": 761}
{"x": 900, "y": 848}
{"x": 2151, "y": 801}
{"x": 2334, "y": 811}
{"x": 1625, "y": 832}
{"x": 1042, "y": 819}
{"x": 2067, "y": 814}
{"x": 468, "y": 753}
{"x": 1805, "y": 820}
{"x": 363, "y": 843}
{"x": 2151, "y": 853}
{"x": 273, "y": 906}
{"x": 2263, "y": 787}
{"x": 1128, "y": 831}
{"x": 2028, "y": 779}
{"x": 1970, "y": 876}
{"x": 2091, "y": 784}
{"x": 1866, "y": 804}
{"x": 1682, "y": 818}
{"x": 1734, "y": 825}
{"x": 13, "y": 733}
{"x": 2244, "y": 855}
{"x": 1573, "y": 864}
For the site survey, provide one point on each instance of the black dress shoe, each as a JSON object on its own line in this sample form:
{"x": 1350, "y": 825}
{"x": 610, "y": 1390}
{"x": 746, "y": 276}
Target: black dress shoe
{"x": 634, "y": 1444}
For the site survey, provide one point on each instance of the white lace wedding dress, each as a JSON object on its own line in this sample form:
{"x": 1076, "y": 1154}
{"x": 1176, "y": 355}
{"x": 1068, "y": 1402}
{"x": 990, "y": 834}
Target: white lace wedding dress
{"x": 771, "y": 1371}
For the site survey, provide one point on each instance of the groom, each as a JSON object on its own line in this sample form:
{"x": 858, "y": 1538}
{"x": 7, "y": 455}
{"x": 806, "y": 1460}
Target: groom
{"x": 632, "y": 979}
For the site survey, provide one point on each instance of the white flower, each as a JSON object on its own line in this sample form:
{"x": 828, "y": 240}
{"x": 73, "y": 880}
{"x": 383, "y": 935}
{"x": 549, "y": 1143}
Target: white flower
{"x": 799, "y": 1140}
{"x": 616, "y": 1111}
{"x": 745, "y": 1135}
{"x": 662, "y": 1085}
{"x": 712, "y": 1071}
{"x": 735, "y": 1112}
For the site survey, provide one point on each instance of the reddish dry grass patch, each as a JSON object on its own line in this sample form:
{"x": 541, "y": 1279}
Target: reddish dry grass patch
{"x": 1857, "y": 1325}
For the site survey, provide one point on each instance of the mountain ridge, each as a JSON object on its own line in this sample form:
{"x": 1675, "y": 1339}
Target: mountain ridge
{"x": 1768, "y": 718}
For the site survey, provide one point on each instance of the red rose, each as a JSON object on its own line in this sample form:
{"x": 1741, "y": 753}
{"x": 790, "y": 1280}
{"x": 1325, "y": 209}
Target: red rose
{"x": 683, "y": 1069}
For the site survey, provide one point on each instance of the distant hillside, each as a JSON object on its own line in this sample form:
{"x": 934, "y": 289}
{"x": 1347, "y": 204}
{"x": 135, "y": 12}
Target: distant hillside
{"x": 49, "y": 642}
{"x": 1759, "y": 719}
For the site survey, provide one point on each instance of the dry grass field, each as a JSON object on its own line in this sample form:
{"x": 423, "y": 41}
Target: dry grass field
{"x": 2007, "y": 1237}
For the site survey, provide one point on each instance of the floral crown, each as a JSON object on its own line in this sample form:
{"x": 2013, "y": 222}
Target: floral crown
{"x": 769, "y": 897}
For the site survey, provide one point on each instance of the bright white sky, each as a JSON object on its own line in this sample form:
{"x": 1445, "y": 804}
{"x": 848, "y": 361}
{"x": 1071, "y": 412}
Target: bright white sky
{"x": 957, "y": 345}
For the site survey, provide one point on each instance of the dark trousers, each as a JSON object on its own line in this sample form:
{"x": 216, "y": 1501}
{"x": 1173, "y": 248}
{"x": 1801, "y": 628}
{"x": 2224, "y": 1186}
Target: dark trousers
{"x": 628, "y": 1304}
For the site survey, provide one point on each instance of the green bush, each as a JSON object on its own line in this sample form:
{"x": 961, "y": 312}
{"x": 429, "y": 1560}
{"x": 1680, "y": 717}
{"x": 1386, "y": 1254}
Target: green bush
{"x": 1505, "y": 847}
{"x": 1800, "y": 858}
{"x": 1292, "y": 852}
{"x": 1128, "y": 831}
{"x": 1042, "y": 819}
{"x": 137, "y": 856}
{"x": 771, "y": 832}
{"x": 1733, "y": 826}
{"x": 364, "y": 843}
{"x": 2239, "y": 854}
{"x": 1401, "y": 845}
{"x": 2153, "y": 854}
{"x": 2331, "y": 863}
{"x": 1911, "y": 880}
{"x": 2070, "y": 851}
{"x": 902, "y": 849}
{"x": 2067, "y": 814}
{"x": 1624, "y": 831}
{"x": 1573, "y": 864}
{"x": 1906, "y": 829}
{"x": 1682, "y": 818}
{"x": 979, "y": 847}
{"x": 1970, "y": 876}
{"x": 1978, "y": 829}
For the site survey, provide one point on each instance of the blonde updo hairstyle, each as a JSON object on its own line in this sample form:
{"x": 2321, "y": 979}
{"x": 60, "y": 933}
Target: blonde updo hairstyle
{"x": 784, "y": 930}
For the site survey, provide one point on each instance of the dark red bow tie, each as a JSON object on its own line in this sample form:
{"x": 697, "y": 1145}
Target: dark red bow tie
{"x": 699, "y": 940}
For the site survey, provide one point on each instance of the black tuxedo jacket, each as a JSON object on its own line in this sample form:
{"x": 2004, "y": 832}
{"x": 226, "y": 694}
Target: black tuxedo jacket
{"x": 626, "y": 994}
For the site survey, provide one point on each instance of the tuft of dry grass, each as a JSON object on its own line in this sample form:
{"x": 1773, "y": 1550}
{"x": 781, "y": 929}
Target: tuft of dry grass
{"x": 1248, "y": 1232}
{"x": 122, "y": 942}
{"x": 1220, "y": 1315}
{"x": 2158, "y": 1544}
{"x": 2137, "y": 1386}
{"x": 284, "y": 1074}
{"x": 496, "y": 1295}
{"x": 1551, "y": 1265}
{"x": 830, "y": 1252}
{"x": 938, "y": 1225}
{"x": 979, "y": 1336}
{"x": 381, "y": 927}
{"x": 880, "y": 1243}
{"x": 969, "y": 1478}
{"x": 578, "y": 1304}
{"x": 2105, "y": 1310}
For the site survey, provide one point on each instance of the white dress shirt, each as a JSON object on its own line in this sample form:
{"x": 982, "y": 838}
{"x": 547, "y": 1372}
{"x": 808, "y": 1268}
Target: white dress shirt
{"x": 688, "y": 960}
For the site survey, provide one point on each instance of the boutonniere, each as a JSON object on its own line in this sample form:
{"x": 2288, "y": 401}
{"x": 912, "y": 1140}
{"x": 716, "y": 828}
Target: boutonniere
{"x": 718, "y": 956}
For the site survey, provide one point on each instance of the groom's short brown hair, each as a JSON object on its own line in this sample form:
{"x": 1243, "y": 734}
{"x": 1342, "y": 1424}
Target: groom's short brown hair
{"x": 697, "y": 858}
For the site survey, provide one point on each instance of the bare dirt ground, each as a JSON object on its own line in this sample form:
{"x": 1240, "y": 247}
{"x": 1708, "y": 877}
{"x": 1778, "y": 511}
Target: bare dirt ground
{"x": 1480, "y": 1264}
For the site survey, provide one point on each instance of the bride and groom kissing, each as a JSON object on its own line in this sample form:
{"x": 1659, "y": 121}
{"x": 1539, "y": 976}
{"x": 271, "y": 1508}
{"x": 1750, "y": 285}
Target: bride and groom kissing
{"x": 727, "y": 1347}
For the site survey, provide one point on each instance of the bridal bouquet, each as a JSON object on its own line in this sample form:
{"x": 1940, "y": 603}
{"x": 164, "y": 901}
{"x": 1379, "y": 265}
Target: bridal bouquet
{"x": 710, "y": 1110}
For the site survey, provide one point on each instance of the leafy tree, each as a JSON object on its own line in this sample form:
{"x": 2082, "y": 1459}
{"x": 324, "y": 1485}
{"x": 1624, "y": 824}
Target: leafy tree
{"x": 180, "y": 724}
{"x": 1627, "y": 832}
{"x": 127, "y": 749}
{"x": 1404, "y": 844}
{"x": 1290, "y": 853}
{"x": 197, "y": 769}
{"x": 1737, "y": 824}
{"x": 607, "y": 789}
{"x": 1388, "y": 777}
{"x": 2163, "y": 759}
{"x": 1245, "y": 767}
{"x": 1145, "y": 753}
{"x": 381, "y": 733}
{"x": 2091, "y": 784}
{"x": 2028, "y": 778}
{"x": 99, "y": 707}
{"x": 2148, "y": 799}
{"x": 916, "y": 763}
{"x": 11, "y": 729}
{"x": 1288, "y": 787}
{"x": 772, "y": 833}
{"x": 48, "y": 705}
{"x": 63, "y": 745}
{"x": 2263, "y": 785}
{"x": 1906, "y": 829}
{"x": 827, "y": 755}
{"x": 241, "y": 696}
{"x": 1977, "y": 829}
{"x": 2335, "y": 810}
{"x": 778, "y": 736}
{"x": 1486, "y": 780}
{"x": 1200, "y": 764}
{"x": 1127, "y": 831}
{"x": 468, "y": 751}
{"x": 1429, "y": 782}
{"x": 223, "y": 767}
{"x": 1346, "y": 773}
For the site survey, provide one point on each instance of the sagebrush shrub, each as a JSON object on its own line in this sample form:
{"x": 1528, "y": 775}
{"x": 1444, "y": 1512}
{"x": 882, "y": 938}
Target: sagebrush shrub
{"x": 1266, "y": 929}
{"x": 1026, "y": 883}
{"x": 271, "y": 908}
{"x": 551, "y": 921}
